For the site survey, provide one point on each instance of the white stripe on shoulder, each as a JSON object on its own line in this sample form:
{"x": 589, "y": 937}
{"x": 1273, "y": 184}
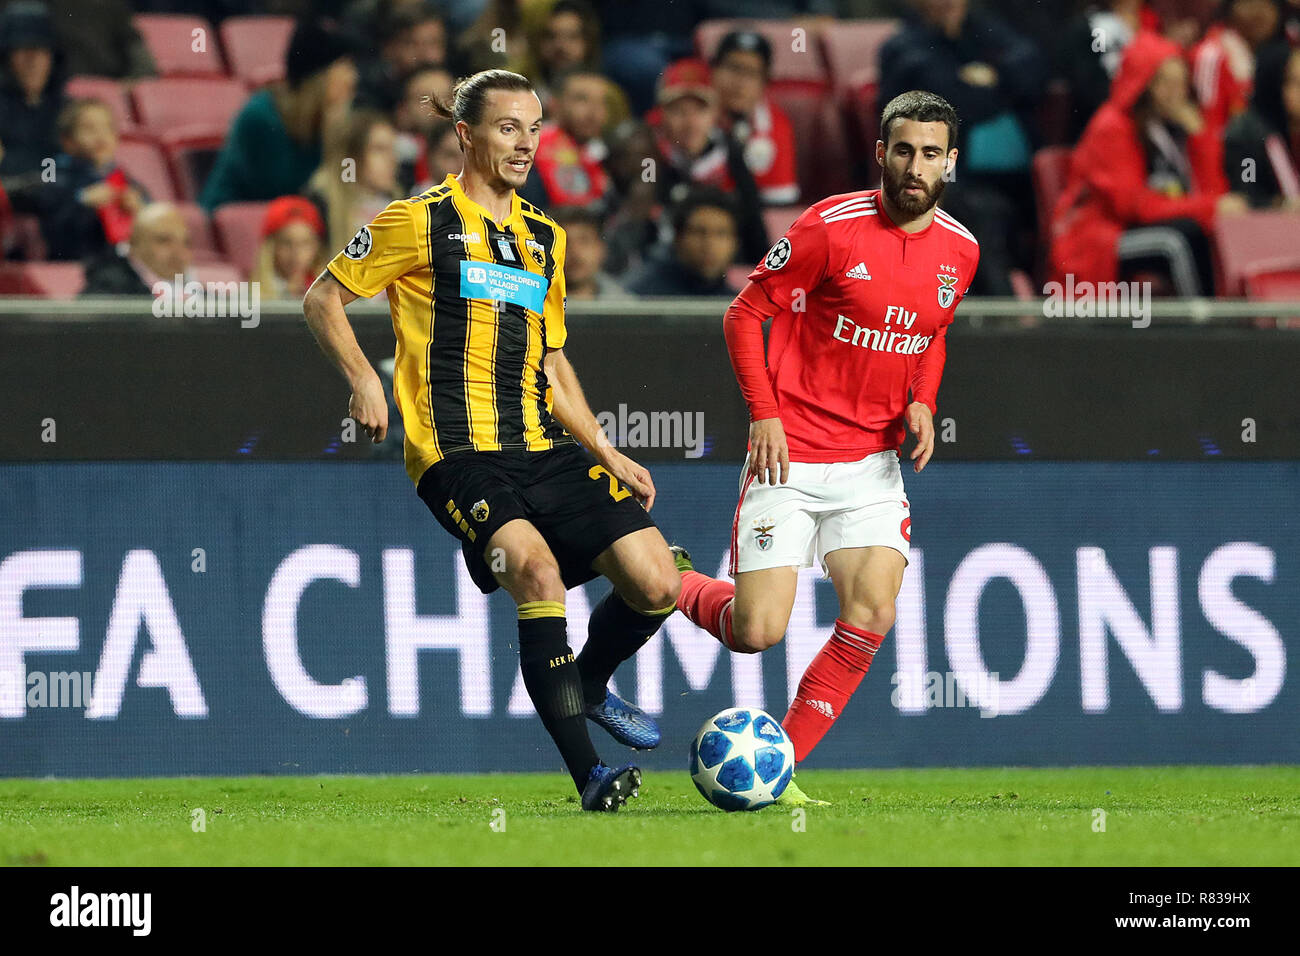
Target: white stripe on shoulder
{"x": 852, "y": 214}
{"x": 956, "y": 224}
{"x": 961, "y": 232}
{"x": 848, "y": 209}
{"x": 842, "y": 206}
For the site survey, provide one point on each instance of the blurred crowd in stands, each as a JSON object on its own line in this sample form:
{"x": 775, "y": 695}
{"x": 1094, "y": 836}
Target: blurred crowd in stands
{"x": 221, "y": 139}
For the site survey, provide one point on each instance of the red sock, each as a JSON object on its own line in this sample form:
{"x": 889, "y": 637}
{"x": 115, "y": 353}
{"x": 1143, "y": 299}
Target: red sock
{"x": 706, "y": 602}
{"x": 827, "y": 685}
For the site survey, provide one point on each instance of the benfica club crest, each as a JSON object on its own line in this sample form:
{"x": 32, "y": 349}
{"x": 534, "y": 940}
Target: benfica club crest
{"x": 763, "y": 536}
{"x": 946, "y": 291}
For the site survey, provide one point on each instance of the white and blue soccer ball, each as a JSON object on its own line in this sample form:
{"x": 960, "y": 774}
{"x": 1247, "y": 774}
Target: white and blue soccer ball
{"x": 741, "y": 759}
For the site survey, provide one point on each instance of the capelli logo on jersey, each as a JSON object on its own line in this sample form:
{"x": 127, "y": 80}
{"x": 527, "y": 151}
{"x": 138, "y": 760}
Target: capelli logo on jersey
{"x": 879, "y": 340}
{"x": 465, "y": 236}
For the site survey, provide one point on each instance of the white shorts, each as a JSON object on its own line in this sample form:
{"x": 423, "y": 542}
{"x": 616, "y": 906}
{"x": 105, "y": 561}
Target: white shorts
{"x": 821, "y": 508}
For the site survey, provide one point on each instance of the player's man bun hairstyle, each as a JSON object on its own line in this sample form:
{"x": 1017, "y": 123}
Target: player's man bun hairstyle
{"x": 923, "y": 107}
{"x": 469, "y": 96}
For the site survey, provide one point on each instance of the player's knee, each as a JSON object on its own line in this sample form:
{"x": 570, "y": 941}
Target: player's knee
{"x": 535, "y": 577}
{"x": 874, "y": 616}
{"x": 661, "y": 591}
{"x": 755, "y": 636}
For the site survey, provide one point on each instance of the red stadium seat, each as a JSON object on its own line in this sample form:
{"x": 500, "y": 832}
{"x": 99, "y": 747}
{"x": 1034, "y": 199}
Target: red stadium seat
{"x": 824, "y": 163}
{"x": 218, "y": 272}
{"x": 239, "y": 231}
{"x": 255, "y": 47}
{"x": 191, "y": 158}
{"x": 1251, "y": 244}
{"x": 1281, "y": 284}
{"x": 142, "y": 159}
{"x": 803, "y": 65}
{"x": 188, "y": 107}
{"x": 853, "y": 51}
{"x": 1054, "y": 112}
{"x": 172, "y": 41}
{"x": 853, "y": 62}
{"x": 50, "y": 280}
{"x": 1051, "y": 170}
{"x": 107, "y": 90}
{"x": 202, "y": 239}
{"x": 24, "y": 238}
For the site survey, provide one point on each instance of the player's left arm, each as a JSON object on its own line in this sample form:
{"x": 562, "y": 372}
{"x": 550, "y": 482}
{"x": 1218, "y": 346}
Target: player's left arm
{"x": 919, "y": 414}
{"x": 568, "y": 404}
{"x": 570, "y": 408}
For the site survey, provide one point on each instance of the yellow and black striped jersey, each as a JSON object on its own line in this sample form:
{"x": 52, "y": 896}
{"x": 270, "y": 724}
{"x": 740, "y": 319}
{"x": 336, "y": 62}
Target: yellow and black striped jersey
{"x": 475, "y": 306}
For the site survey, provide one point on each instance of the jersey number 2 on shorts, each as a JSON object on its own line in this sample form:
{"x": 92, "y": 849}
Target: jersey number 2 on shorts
{"x": 615, "y": 492}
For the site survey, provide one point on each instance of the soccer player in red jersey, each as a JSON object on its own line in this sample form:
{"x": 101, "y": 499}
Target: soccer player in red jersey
{"x": 862, "y": 289}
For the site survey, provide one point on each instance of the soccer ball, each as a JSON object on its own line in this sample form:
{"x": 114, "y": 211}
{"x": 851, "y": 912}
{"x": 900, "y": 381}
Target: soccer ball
{"x": 741, "y": 759}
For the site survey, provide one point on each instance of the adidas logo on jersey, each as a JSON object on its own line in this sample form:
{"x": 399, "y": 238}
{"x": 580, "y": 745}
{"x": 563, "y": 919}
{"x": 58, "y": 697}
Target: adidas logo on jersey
{"x": 859, "y": 272}
{"x": 822, "y": 707}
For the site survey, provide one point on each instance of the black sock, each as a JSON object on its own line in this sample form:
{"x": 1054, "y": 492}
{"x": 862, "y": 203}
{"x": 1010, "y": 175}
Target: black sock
{"x": 551, "y": 678}
{"x": 614, "y": 633}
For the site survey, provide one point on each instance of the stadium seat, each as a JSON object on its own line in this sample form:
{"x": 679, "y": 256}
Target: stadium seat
{"x": 50, "y": 280}
{"x": 24, "y": 239}
{"x": 142, "y": 159}
{"x": 853, "y": 51}
{"x": 1252, "y": 244}
{"x": 1051, "y": 170}
{"x": 827, "y": 168}
{"x": 777, "y": 219}
{"x": 191, "y": 158}
{"x": 217, "y": 272}
{"x": 188, "y": 107}
{"x": 171, "y": 40}
{"x": 805, "y": 65}
{"x": 738, "y": 276}
{"x": 255, "y": 47}
{"x": 109, "y": 91}
{"x": 1054, "y": 112}
{"x": 1275, "y": 284}
{"x": 202, "y": 239}
{"x": 238, "y": 226}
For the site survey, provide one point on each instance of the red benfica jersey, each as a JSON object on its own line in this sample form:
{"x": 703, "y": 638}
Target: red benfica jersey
{"x": 861, "y": 309}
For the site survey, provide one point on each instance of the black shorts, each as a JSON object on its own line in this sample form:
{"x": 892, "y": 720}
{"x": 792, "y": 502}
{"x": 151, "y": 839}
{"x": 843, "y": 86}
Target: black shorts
{"x": 579, "y": 508}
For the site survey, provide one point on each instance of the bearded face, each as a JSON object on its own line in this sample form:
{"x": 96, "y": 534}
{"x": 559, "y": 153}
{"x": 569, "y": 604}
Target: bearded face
{"x": 913, "y": 166}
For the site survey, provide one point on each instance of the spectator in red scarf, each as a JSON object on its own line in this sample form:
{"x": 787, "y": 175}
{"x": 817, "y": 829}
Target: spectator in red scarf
{"x": 742, "y": 67}
{"x": 695, "y": 151}
{"x": 91, "y": 204}
{"x": 570, "y": 162}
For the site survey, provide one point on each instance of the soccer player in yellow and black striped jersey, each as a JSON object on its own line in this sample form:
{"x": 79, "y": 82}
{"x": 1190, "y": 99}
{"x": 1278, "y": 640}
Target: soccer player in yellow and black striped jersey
{"x": 500, "y": 441}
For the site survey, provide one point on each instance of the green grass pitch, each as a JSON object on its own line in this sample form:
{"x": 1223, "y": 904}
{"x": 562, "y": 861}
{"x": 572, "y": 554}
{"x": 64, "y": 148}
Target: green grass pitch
{"x": 1244, "y": 816}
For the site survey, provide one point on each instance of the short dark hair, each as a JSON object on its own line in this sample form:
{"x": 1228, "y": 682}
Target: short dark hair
{"x": 747, "y": 41}
{"x": 922, "y": 106}
{"x": 469, "y": 96}
{"x": 700, "y": 197}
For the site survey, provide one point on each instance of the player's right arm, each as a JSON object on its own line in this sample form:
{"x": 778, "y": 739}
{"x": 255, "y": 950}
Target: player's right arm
{"x": 796, "y": 264}
{"x": 324, "y": 305}
{"x": 384, "y": 250}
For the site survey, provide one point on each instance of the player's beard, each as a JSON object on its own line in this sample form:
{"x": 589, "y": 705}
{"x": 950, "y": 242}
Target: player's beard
{"x": 911, "y": 205}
